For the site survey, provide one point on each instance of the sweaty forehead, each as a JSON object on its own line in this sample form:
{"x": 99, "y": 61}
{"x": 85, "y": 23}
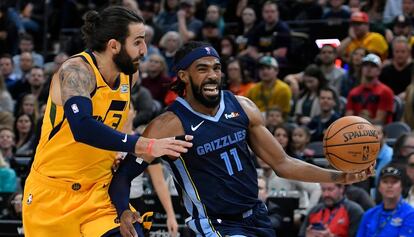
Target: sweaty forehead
{"x": 209, "y": 61}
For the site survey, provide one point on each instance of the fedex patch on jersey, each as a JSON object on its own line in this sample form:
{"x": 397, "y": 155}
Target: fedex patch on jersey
{"x": 232, "y": 115}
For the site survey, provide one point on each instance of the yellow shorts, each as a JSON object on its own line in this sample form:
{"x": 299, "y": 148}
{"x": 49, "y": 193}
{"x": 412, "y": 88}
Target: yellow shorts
{"x": 58, "y": 208}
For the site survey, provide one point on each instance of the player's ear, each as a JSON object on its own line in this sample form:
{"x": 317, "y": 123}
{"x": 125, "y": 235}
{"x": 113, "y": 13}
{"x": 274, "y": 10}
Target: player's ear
{"x": 183, "y": 75}
{"x": 114, "y": 45}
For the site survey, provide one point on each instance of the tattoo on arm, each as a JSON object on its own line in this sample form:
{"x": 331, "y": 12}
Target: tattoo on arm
{"x": 75, "y": 80}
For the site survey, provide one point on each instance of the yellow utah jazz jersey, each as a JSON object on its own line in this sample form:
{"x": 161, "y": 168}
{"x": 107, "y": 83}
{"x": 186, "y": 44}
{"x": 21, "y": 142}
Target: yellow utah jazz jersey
{"x": 59, "y": 155}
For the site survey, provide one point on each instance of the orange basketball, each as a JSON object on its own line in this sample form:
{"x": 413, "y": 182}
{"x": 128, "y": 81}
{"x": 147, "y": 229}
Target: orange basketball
{"x": 351, "y": 144}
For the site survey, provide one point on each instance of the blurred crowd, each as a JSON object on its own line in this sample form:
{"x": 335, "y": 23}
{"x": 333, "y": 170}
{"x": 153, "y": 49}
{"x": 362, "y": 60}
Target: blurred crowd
{"x": 305, "y": 63}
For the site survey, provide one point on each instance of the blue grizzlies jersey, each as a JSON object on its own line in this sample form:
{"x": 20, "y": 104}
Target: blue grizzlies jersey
{"x": 217, "y": 176}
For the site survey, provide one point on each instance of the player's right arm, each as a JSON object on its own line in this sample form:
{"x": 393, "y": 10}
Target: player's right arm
{"x": 71, "y": 87}
{"x": 269, "y": 150}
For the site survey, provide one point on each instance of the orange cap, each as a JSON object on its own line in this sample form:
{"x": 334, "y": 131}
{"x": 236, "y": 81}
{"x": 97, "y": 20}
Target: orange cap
{"x": 359, "y": 17}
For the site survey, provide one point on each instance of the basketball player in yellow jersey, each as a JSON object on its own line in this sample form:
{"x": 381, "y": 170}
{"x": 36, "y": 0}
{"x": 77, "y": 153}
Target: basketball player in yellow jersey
{"x": 66, "y": 193}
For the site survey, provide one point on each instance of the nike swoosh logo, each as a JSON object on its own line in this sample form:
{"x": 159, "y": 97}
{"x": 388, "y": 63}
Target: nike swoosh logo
{"x": 125, "y": 138}
{"x": 196, "y": 127}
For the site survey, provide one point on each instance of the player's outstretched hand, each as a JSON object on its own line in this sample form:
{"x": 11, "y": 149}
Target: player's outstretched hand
{"x": 171, "y": 146}
{"x": 128, "y": 218}
{"x": 359, "y": 176}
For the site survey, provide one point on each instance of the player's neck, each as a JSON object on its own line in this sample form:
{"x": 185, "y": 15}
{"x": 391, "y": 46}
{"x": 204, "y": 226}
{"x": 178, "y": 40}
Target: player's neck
{"x": 106, "y": 67}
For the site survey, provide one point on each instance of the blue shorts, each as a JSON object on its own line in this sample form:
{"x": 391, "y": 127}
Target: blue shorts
{"x": 254, "y": 222}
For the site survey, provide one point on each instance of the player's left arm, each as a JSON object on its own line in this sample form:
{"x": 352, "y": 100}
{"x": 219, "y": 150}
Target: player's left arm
{"x": 269, "y": 150}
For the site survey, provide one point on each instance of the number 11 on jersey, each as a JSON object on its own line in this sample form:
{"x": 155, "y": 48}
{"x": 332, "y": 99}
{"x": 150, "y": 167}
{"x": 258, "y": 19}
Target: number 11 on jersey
{"x": 233, "y": 153}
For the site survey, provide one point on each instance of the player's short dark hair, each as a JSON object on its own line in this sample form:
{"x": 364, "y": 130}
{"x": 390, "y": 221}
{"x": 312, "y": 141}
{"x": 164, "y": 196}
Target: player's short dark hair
{"x": 111, "y": 23}
{"x": 179, "y": 86}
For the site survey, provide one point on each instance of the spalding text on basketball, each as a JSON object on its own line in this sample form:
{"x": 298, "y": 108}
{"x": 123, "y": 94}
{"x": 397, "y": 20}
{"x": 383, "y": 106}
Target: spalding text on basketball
{"x": 355, "y": 134}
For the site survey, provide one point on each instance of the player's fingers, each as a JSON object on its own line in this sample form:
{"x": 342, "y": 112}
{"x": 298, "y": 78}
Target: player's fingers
{"x": 137, "y": 217}
{"x": 182, "y": 143}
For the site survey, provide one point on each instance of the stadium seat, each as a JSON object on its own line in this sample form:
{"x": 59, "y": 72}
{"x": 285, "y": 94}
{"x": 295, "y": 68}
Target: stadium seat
{"x": 394, "y": 130}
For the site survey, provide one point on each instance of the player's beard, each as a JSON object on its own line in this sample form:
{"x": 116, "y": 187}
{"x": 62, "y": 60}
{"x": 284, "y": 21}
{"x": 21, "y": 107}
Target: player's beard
{"x": 125, "y": 63}
{"x": 208, "y": 101}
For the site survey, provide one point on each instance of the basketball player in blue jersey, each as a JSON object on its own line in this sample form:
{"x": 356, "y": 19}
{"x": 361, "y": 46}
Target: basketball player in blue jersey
{"x": 66, "y": 193}
{"x": 217, "y": 177}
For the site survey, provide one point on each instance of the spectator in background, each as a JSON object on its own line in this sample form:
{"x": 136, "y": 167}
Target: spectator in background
{"x": 35, "y": 84}
{"x": 15, "y": 206}
{"x": 274, "y": 118}
{"x": 270, "y": 91}
{"x": 391, "y": 10}
{"x": 408, "y": 113}
{"x": 148, "y": 13}
{"x": 26, "y": 45}
{"x": 168, "y": 14}
{"x": 237, "y": 81}
{"x": 300, "y": 141}
{"x": 210, "y": 33}
{"x": 6, "y": 70}
{"x": 319, "y": 123}
{"x": 372, "y": 99}
{"x": 334, "y": 216}
{"x": 25, "y": 65}
{"x": 169, "y": 44}
{"x": 337, "y": 11}
{"x": 283, "y": 134}
{"x": 333, "y": 74}
{"x": 402, "y": 149}
{"x": 408, "y": 8}
{"x": 393, "y": 217}
{"x": 354, "y": 74}
{"x": 188, "y": 26}
{"x": 7, "y": 177}
{"x": 30, "y": 25}
{"x": 214, "y": 15}
{"x": 29, "y": 105}
{"x": 360, "y": 36}
{"x": 410, "y": 174}
{"x": 228, "y": 49}
{"x": 401, "y": 26}
{"x": 397, "y": 75}
{"x": 374, "y": 9}
{"x": 24, "y": 131}
{"x": 307, "y": 105}
{"x": 7, "y": 143}
{"x": 6, "y": 101}
{"x": 247, "y": 24}
{"x": 384, "y": 156}
{"x": 156, "y": 77}
{"x": 151, "y": 48}
{"x": 271, "y": 36}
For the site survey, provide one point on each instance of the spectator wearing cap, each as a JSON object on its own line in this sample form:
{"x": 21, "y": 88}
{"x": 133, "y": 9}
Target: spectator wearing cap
{"x": 271, "y": 36}
{"x": 401, "y": 26}
{"x": 187, "y": 25}
{"x": 360, "y": 36}
{"x": 270, "y": 91}
{"x": 397, "y": 74}
{"x": 372, "y": 100}
{"x": 393, "y": 217}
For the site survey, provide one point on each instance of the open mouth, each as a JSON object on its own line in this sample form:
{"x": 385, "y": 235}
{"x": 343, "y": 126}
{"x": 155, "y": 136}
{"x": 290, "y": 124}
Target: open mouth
{"x": 210, "y": 89}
